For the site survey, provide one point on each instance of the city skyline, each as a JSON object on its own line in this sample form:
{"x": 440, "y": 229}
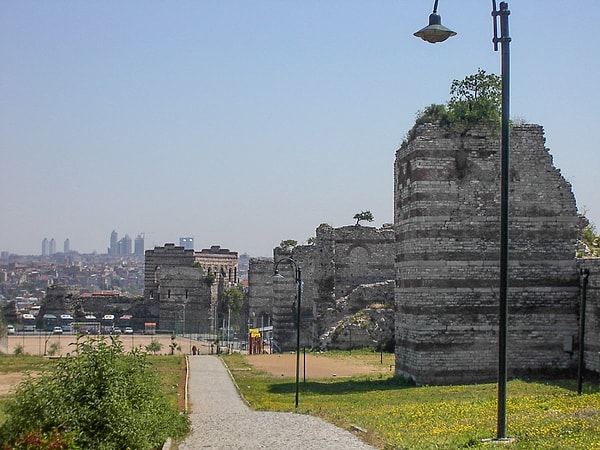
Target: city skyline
{"x": 248, "y": 123}
{"x": 48, "y": 245}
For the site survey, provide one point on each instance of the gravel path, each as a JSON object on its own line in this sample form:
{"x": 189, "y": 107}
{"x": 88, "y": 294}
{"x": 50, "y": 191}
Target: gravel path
{"x": 221, "y": 419}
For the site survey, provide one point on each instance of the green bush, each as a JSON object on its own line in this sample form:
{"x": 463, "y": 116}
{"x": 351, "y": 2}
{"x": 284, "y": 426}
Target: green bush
{"x": 100, "y": 398}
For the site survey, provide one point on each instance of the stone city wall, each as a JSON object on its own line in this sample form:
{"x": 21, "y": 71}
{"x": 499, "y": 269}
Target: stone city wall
{"x": 592, "y": 314}
{"x": 341, "y": 260}
{"x": 180, "y": 290}
{"x": 447, "y": 234}
{"x": 260, "y": 292}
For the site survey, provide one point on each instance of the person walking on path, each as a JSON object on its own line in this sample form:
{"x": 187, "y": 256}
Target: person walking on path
{"x": 222, "y": 420}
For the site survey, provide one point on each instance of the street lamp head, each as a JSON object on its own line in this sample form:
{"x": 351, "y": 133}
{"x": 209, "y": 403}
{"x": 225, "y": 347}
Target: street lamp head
{"x": 435, "y": 32}
{"x": 277, "y": 275}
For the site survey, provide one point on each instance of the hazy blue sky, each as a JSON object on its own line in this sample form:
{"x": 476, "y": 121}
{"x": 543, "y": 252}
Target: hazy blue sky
{"x": 243, "y": 123}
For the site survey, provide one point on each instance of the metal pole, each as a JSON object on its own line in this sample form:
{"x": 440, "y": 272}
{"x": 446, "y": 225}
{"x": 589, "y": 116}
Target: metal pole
{"x": 299, "y": 283}
{"x": 504, "y": 217}
{"x": 584, "y": 273}
{"x": 304, "y": 363}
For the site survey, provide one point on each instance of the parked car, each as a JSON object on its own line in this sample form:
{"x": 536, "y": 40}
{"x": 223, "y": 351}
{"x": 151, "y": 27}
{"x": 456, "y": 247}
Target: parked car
{"x": 116, "y": 330}
{"x": 10, "y": 329}
{"x": 128, "y": 330}
{"x": 57, "y": 330}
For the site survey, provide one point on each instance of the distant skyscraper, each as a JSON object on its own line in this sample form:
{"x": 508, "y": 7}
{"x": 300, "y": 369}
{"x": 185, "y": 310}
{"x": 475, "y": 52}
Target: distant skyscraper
{"x": 52, "y": 246}
{"x": 125, "y": 246}
{"x": 67, "y": 246}
{"x": 187, "y": 243}
{"x": 45, "y": 247}
{"x": 139, "y": 245}
{"x": 113, "y": 250}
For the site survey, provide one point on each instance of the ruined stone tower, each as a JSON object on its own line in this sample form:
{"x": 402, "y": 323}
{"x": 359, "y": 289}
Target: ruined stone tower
{"x": 447, "y": 255}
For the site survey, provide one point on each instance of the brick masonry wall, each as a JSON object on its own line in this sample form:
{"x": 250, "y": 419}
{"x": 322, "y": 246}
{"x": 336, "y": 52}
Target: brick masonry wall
{"x": 592, "y": 314}
{"x": 340, "y": 260}
{"x": 184, "y": 300}
{"x": 260, "y": 292}
{"x": 348, "y": 257}
{"x": 285, "y": 297}
{"x": 447, "y": 252}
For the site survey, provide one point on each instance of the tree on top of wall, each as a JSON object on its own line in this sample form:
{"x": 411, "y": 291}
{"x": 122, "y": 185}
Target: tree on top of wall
{"x": 591, "y": 242}
{"x": 364, "y": 215}
{"x": 288, "y": 244}
{"x": 475, "y": 99}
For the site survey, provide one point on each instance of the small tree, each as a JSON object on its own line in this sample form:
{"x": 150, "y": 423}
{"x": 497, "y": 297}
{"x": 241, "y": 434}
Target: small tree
{"x": 154, "y": 346}
{"x": 591, "y": 242}
{"x": 54, "y": 349}
{"x": 364, "y": 215}
{"x": 174, "y": 345}
{"x": 209, "y": 278}
{"x": 19, "y": 350}
{"x": 288, "y": 244}
{"x": 476, "y": 98}
{"x": 234, "y": 299}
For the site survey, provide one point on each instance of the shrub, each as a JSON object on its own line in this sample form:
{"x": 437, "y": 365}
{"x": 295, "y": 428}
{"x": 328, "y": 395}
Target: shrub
{"x": 101, "y": 397}
{"x": 35, "y": 440}
{"x": 54, "y": 349}
{"x": 154, "y": 346}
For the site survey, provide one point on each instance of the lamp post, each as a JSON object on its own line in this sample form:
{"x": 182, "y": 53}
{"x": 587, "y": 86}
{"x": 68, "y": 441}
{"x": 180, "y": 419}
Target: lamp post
{"x": 434, "y": 33}
{"x": 299, "y": 303}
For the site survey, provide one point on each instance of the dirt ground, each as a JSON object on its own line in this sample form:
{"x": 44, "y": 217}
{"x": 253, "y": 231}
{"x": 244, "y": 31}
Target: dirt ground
{"x": 311, "y": 365}
{"x": 315, "y": 366}
{"x": 40, "y": 344}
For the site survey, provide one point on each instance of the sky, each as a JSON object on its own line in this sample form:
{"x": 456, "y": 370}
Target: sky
{"x": 243, "y": 123}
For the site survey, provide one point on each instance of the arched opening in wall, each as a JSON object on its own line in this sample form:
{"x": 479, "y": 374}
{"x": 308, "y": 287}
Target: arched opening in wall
{"x": 186, "y": 293}
{"x": 169, "y": 293}
{"x": 156, "y": 274}
{"x": 358, "y": 258}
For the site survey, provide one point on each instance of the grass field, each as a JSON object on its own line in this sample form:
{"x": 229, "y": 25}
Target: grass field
{"x": 396, "y": 415}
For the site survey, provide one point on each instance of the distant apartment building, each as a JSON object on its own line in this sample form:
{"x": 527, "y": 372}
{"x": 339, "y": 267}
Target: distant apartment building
{"x": 49, "y": 247}
{"x": 138, "y": 246}
{"x": 187, "y": 243}
{"x": 67, "y": 246}
{"x": 113, "y": 249}
{"x": 125, "y": 246}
